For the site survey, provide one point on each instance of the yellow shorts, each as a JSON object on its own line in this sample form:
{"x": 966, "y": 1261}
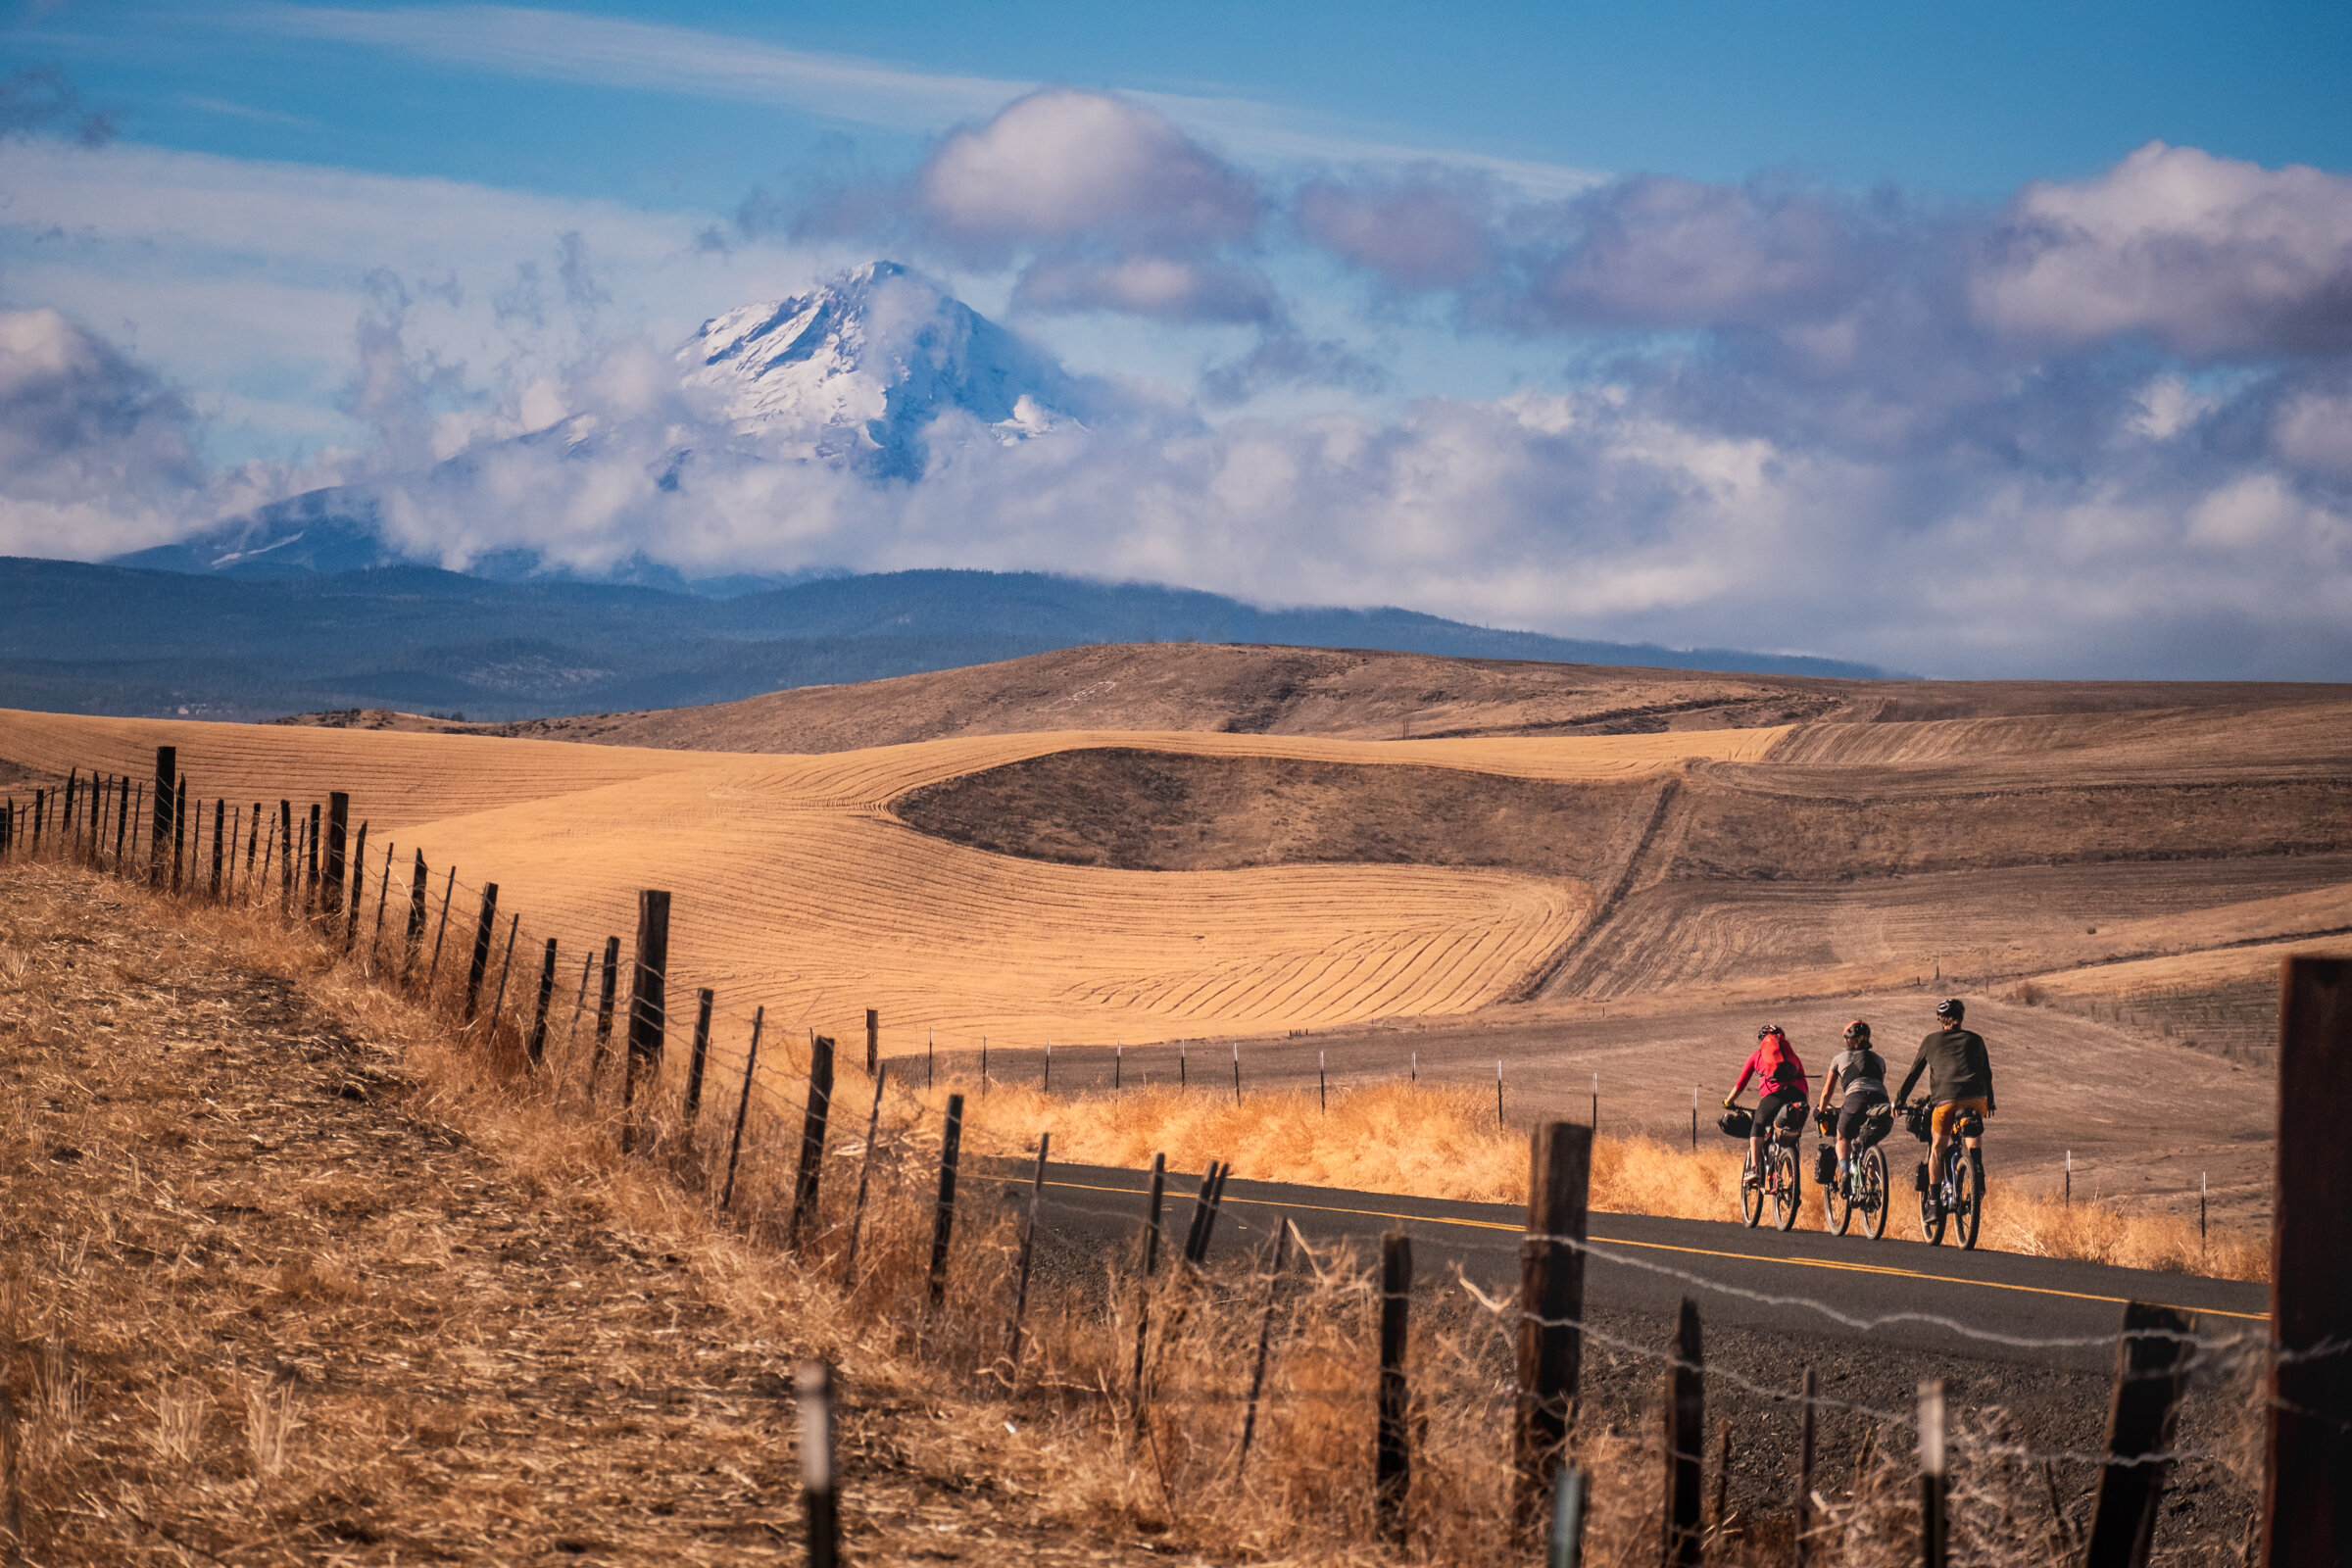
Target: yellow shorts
{"x": 1946, "y": 1115}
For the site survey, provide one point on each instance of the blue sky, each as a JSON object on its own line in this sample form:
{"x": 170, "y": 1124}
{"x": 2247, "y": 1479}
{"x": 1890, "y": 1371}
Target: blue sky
{"x": 1598, "y": 320}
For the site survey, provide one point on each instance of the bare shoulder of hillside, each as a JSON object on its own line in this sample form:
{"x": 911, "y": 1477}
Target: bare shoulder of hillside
{"x": 1354, "y": 694}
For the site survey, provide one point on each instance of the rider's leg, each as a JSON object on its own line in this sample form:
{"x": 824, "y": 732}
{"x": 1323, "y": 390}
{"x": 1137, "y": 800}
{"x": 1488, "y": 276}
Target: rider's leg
{"x": 1936, "y": 1165}
{"x": 1756, "y": 1159}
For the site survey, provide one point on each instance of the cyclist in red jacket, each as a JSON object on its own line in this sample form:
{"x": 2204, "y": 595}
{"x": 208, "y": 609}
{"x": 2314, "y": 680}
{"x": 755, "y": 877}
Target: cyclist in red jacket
{"x": 1780, "y": 1080}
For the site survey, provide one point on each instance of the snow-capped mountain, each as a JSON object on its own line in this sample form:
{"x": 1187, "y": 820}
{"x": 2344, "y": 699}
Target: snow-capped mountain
{"x": 856, "y": 375}
{"x": 857, "y": 370}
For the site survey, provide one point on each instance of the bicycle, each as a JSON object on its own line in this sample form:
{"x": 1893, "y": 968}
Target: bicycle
{"x": 1958, "y": 1193}
{"x": 1864, "y": 1190}
{"x": 1781, "y": 1184}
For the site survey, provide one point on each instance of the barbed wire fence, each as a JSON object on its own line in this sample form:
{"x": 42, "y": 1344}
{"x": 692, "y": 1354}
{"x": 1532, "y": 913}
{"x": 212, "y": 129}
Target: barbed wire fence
{"x": 1299, "y": 1316}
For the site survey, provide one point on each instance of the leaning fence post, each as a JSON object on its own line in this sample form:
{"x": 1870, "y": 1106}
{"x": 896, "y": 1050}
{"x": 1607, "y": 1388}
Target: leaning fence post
{"x": 1265, "y": 1346}
{"x": 813, "y": 1140}
{"x": 698, "y": 1057}
{"x": 608, "y": 992}
{"x": 534, "y": 1044}
{"x": 179, "y": 828}
{"x": 873, "y": 1041}
{"x": 1393, "y": 1452}
{"x": 743, "y": 1108}
{"x": 649, "y": 1006}
{"x": 432, "y": 971}
{"x": 1934, "y": 1542}
{"x": 505, "y": 967}
{"x": 219, "y": 827}
{"x": 1142, "y": 1311}
{"x": 166, "y": 773}
{"x": 359, "y": 888}
{"x": 415, "y": 931}
{"x": 942, "y": 1220}
{"x": 2151, "y": 1365}
{"x": 1551, "y": 1305}
{"x": 2310, "y": 1442}
{"x": 338, "y": 826}
{"x": 1685, "y": 1436}
{"x": 485, "y": 932}
{"x": 383, "y": 894}
{"x": 866, "y": 1172}
{"x": 812, "y": 1385}
{"x": 1020, "y": 1289}
{"x": 309, "y": 873}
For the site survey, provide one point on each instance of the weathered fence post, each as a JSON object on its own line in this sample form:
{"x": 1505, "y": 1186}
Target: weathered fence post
{"x": 1392, "y": 1450}
{"x": 1804, "y": 1468}
{"x": 873, "y": 1041}
{"x": 485, "y": 931}
{"x": 943, "y": 1218}
{"x": 1021, "y": 1287}
{"x": 743, "y": 1109}
{"x": 415, "y": 931}
{"x": 2305, "y": 1513}
{"x": 358, "y": 889}
{"x": 1237, "y": 1072}
{"x": 2151, "y": 1366}
{"x": 1150, "y": 1237}
{"x": 252, "y": 839}
{"x": 607, "y": 991}
{"x": 310, "y": 864}
{"x": 813, "y": 1140}
{"x": 649, "y": 1006}
{"x": 534, "y": 1046}
{"x": 812, "y": 1387}
{"x": 166, "y": 775}
{"x": 505, "y": 967}
{"x": 1551, "y": 1305}
{"x": 698, "y": 1057}
{"x": 1265, "y": 1346}
{"x": 179, "y": 828}
{"x": 1685, "y": 1436}
{"x": 285, "y": 857}
{"x": 1934, "y": 1542}
{"x": 866, "y": 1172}
{"x": 219, "y": 836}
{"x": 338, "y": 829}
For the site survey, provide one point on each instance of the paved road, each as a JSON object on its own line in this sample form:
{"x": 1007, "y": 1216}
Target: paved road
{"x": 2010, "y": 1306}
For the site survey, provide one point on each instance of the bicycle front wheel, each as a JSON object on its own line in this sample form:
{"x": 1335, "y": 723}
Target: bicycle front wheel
{"x": 1787, "y": 1189}
{"x": 1968, "y": 1191}
{"x": 1930, "y": 1213}
{"x": 1838, "y": 1204}
{"x": 1751, "y": 1193}
{"x": 1873, "y": 1195}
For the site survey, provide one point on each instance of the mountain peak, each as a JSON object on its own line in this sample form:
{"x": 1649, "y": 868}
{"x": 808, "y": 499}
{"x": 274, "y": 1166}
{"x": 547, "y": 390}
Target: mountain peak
{"x": 859, "y": 368}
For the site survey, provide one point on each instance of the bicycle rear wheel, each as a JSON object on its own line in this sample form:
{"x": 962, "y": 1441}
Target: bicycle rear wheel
{"x": 1931, "y": 1212}
{"x": 1787, "y": 1189}
{"x": 1751, "y": 1193}
{"x": 1967, "y": 1189}
{"x": 1874, "y": 1196}
{"x": 1836, "y": 1206}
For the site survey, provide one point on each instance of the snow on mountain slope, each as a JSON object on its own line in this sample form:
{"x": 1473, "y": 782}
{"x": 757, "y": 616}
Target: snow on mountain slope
{"x": 857, "y": 370}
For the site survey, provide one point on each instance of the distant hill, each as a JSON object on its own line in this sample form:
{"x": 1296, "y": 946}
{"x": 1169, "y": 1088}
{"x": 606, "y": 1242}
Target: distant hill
{"x": 129, "y": 641}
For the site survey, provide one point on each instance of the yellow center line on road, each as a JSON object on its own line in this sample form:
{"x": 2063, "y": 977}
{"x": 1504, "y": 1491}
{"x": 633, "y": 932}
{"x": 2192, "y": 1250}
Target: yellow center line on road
{"x": 1696, "y": 1251}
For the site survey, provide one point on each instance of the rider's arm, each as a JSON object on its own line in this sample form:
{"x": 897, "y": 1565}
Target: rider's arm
{"x": 1748, "y": 1070}
{"x": 1919, "y": 1065}
{"x": 1987, "y": 1056}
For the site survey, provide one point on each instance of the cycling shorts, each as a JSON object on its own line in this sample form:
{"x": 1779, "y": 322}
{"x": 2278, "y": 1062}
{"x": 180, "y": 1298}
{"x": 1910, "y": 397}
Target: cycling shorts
{"x": 1950, "y": 1111}
{"x": 1856, "y": 1106}
{"x": 1769, "y": 1111}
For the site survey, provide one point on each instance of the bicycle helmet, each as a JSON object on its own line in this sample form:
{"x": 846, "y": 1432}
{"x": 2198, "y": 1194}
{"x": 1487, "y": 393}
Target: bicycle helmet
{"x": 1951, "y": 1008}
{"x": 1769, "y": 1029}
{"x": 1858, "y": 1031}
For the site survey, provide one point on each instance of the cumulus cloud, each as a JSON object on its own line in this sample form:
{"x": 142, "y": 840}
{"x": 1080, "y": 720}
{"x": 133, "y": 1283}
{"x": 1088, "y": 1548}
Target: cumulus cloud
{"x": 1419, "y": 234}
{"x": 2208, "y": 255}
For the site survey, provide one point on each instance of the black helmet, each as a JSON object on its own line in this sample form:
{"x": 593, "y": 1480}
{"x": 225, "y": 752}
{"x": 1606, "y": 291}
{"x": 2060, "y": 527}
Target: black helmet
{"x": 1858, "y": 1030}
{"x": 1769, "y": 1029}
{"x": 1951, "y": 1008}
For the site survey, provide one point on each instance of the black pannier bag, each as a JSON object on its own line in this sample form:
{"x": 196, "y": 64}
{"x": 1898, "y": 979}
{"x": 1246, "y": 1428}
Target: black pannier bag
{"x": 1738, "y": 1122}
{"x": 1917, "y": 1119}
{"x": 1876, "y": 1122}
{"x": 1825, "y": 1164}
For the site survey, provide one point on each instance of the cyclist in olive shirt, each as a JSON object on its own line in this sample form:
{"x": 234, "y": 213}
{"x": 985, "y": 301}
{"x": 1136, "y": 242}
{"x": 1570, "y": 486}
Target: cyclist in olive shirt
{"x": 1959, "y": 1080}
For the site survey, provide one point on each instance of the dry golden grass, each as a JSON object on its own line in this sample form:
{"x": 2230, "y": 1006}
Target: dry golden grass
{"x": 326, "y": 1280}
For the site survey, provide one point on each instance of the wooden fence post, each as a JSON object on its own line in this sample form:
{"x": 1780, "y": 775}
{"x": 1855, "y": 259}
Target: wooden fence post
{"x": 1021, "y": 1287}
{"x": 607, "y": 990}
{"x": 505, "y": 967}
{"x": 1151, "y": 1238}
{"x": 359, "y": 888}
{"x": 166, "y": 773}
{"x": 310, "y": 864}
{"x": 338, "y": 829}
{"x": 1392, "y": 1449}
{"x": 743, "y": 1109}
{"x": 865, "y": 1171}
{"x": 1933, "y": 1540}
{"x": 1685, "y": 1436}
{"x": 649, "y": 1006}
{"x": 416, "y": 931}
{"x": 698, "y": 1056}
{"x": 942, "y": 1220}
{"x": 2151, "y": 1366}
{"x": 534, "y": 1047}
{"x": 1806, "y": 1394}
{"x": 2306, "y": 1516}
{"x": 819, "y": 1110}
{"x": 1551, "y": 1305}
{"x": 383, "y": 895}
{"x": 813, "y": 1387}
{"x": 285, "y": 857}
{"x": 873, "y": 1041}
{"x": 252, "y": 839}
{"x": 1265, "y": 1344}
{"x": 485, "y": 931}
{"x": 179, "y": 827}
{"x": 219, "y": 836}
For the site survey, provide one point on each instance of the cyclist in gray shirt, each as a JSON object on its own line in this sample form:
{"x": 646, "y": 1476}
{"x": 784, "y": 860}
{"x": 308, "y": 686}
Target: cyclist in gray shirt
{"x": 1858, "y": 1076}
